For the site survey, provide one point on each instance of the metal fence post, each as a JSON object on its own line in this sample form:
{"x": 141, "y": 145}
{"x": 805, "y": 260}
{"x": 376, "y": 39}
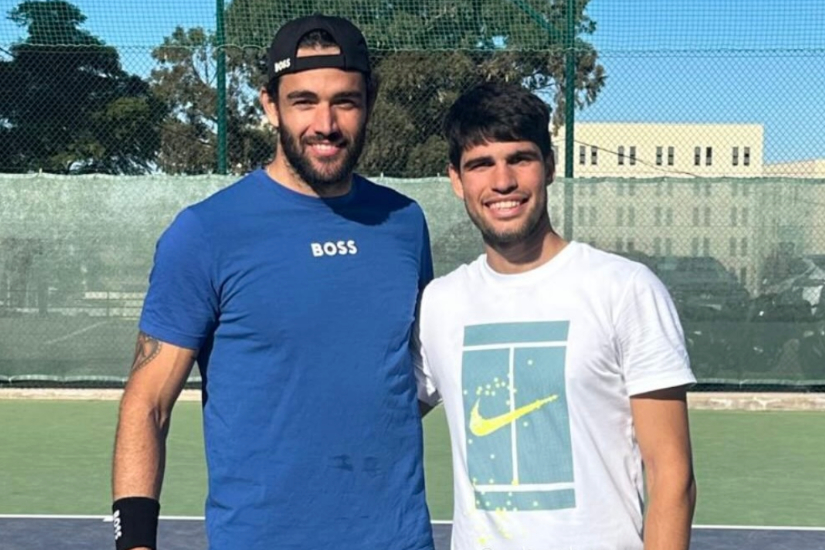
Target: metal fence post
{"x": 220, "y": 42}
{"x": 569, "y": 114}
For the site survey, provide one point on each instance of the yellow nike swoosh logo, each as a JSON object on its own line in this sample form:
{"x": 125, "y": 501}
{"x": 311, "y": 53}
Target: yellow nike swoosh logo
{"x": 481, "y": 426}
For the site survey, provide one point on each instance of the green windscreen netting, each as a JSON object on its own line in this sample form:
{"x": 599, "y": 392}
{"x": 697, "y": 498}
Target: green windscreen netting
{"x": 696, "y": 148}
{"x": 739, "y": 257}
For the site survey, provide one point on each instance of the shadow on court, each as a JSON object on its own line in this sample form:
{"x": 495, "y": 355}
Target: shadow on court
{"x": 26, "y": 533}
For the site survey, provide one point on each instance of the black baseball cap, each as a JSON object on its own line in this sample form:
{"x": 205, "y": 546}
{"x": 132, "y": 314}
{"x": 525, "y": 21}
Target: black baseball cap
{"x": 282, "y": 56}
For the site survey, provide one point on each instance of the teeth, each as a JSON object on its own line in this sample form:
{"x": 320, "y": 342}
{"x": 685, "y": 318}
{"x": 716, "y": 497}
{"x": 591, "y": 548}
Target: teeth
{"x": 504, "y": 204}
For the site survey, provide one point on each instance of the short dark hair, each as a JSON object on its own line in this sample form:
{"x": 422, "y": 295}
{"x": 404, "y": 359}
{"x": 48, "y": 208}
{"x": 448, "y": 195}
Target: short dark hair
{"x": 322, "y": 39}
{"x": 496, "y": 111}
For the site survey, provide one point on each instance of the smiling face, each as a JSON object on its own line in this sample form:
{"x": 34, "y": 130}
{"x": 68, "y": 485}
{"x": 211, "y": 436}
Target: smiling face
{"x": 321, "y": 116}
{"x": 503, "y": 186}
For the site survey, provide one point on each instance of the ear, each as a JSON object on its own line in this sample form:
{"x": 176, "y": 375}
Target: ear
{"x": 270, "y": 105}
{"x": 373, "y": 83}
{"x": 455, "y": 181}
{"x": 549, "y": 169}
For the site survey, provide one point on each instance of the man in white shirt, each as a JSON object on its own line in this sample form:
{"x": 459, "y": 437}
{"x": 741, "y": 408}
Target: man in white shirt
{"x": 562, "y": 368}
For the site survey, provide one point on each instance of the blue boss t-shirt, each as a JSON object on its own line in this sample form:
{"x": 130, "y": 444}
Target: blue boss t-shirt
{"x": 301, "y": 309}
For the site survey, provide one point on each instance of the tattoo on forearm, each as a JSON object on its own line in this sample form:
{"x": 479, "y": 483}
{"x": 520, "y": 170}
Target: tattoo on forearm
{"x": 146, "y": 349}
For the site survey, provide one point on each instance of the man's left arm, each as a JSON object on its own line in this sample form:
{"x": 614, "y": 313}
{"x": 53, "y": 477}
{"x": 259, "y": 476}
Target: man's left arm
{"x": 660, "y": 419}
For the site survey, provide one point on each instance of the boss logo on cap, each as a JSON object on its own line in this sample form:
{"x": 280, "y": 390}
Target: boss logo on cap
{"x": 281, "y": 65}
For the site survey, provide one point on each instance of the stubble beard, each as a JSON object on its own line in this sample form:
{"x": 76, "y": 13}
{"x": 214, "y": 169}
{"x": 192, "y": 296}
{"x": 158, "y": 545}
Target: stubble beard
{"x": 338, "y": 172}
{"x": 532, "y": 226}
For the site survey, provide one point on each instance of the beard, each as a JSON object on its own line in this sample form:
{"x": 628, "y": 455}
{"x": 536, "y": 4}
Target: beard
{"x": 498, "y": 238}
{"x": 331, "y": 172}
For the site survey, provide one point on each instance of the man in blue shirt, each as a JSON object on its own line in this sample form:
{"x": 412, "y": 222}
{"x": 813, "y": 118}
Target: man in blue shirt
{"x": 295, "y": 291}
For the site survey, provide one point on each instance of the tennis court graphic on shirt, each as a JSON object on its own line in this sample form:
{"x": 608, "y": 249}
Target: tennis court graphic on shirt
{"x": 517, "y": 424}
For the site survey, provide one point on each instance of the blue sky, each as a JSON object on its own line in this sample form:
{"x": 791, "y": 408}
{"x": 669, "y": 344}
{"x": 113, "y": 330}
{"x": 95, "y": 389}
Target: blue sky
{"x": 775, "y": 84}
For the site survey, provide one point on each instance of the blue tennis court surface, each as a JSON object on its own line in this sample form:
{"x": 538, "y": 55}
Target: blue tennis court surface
{"x": 86, "y": 532}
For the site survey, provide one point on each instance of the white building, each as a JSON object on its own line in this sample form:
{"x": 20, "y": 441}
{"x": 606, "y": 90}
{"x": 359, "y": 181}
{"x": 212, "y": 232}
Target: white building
{"x": 638, "y": 150}
{"x": 632, "y": 193}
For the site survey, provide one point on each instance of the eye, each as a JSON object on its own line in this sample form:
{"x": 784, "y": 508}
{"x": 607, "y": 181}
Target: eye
{"x": 302, "y": 103}
{"x": 477, "y": 166}
{"x": 347, "y": 104}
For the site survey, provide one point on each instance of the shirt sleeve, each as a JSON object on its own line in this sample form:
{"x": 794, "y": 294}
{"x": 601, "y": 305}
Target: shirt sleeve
{"x": 425, "y": 274}
{"x": 425, "y": 383}
{"x": 651, "y": 340}
{"x": 181, "y": 305}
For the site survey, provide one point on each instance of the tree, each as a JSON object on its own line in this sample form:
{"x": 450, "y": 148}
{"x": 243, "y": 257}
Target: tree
{"x": 427, "y": 52}
{"x": 185, "y": 80}
{"x": 66, "y": 105}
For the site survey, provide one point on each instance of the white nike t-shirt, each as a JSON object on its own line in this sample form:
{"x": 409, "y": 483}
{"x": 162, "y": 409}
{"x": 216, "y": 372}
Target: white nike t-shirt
{"x": 536, "y": 371}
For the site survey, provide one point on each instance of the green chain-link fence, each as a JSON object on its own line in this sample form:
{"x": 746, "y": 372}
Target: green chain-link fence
{"x": 696, "y": 148}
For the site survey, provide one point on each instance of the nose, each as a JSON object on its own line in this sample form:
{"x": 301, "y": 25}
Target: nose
{"x": 505, "y": 178}
{"x": 324, "y": 121}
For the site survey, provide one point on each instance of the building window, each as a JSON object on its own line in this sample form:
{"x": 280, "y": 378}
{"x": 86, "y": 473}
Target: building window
{"x": 670, "y": 156}
{"x": 744, "y": 216}
{"x": 657, "y": 216}
{"x": 657, "y": 246}
{"x": 594, "y": 155}
{"x": 697, "y": 156}
{"x": 621, "y": 155}
{"x": 708, "y": 156}
{"x": 732, "y": 246}
{"x": 694, "y": 246}
{"x": 743, "y": 275}
{"x": 632, "y": 155}
{"x": 707, "y": 216}
{"x": 706, "y": 247}
{"x": 735, "y": 159}
{"x": 620, "y": 216}
{"x": 659, "y": 155}
{"x": 695, "y": 216}
{"x": 631, "y": 216}
{"x": 743, "y": 246}
{"x": 581, "y": 215}
{"x": 582, "y": 154}
{"x": 733, "y": 217}
{"x": 668, "y": 246}
{"x": 746, "y": 156}
{"x": 669, "y": 217}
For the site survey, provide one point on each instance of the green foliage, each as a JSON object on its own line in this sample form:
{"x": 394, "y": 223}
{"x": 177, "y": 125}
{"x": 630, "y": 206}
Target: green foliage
{"x": 427, "y": 52}
{"x": 186, "y": 81}
{"x": 67, "y": 106}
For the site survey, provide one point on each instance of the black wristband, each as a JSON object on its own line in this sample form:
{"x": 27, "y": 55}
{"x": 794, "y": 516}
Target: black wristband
{"x": 135, "y": 521}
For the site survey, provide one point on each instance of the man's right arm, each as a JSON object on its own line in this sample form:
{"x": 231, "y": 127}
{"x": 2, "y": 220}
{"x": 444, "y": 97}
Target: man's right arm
{"x": 158, "y": 375}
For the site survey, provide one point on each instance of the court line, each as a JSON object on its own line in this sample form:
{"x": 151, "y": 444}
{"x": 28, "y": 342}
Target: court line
{"x": 434, "y": 522}
{"x": 75, "y": 333}
{"x": 50, "y": 516}
{"x": 758, "y": 528}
